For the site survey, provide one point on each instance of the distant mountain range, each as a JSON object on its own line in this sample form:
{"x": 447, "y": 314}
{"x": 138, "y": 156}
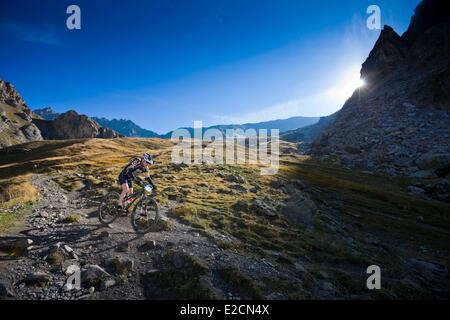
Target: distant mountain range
{"x": 308, "y": 134}
{"x": 129, "y": 129}
{"x": 281, "y": 124}
{"x": 126, "y": 127}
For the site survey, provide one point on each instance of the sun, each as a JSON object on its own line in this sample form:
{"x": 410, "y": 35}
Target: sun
{"x": 360, "y": 83}
{"x": 352, "y": 80}
{"x": 346, "y": 84}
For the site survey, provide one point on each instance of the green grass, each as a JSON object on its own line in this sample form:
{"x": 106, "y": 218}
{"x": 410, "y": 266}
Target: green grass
{"x": 240, "y": 283}
{"x": 71, "y": 218}
{"x": 9, "y": 219}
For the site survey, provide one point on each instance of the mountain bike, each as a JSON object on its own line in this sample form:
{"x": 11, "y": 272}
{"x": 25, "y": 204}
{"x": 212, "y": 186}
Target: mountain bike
{"x": 144, "y": 209}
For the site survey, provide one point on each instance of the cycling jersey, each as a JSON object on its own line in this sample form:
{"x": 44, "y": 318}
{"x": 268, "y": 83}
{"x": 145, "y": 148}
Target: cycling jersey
{"x": 128, "y": 173}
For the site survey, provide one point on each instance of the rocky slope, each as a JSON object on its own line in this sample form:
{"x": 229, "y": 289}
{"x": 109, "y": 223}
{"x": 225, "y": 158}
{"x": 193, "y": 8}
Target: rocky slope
{"x": 399, "y": 123}
{"x": 71, "y": 125}
{"x": 9, "y": 95}
{"x": 15, "y": 118}
{"x": 18, "y": 124}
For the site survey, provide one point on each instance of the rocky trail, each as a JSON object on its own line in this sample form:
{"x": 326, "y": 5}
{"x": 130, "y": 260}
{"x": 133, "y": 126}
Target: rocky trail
{"x": 113, "y": 262}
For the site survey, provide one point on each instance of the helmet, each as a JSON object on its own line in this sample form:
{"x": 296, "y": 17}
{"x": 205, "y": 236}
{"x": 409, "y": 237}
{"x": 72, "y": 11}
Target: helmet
{"x": 147, "y": 158}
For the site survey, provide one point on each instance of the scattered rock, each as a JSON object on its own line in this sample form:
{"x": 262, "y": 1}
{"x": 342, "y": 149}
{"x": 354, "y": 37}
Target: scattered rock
{"x": 93, "y": 275}
{"x": 108, "y": 284}
{"x": 430, "y": 269}
{"x": 5, "y": 292}
{"x": 433, "y": 160}
{"x": 148, "y": 245}
{"x": 234, "y": 178}
{"x": 104, "y": 234}
{"x": 255, "y": 189}
{"x": 262, "y": 208}
{"x": 300, "y": 211}
{"x": 298, "y": 184}
{"x": 123, "y": 247}
{"x": 60, "y": 252}
{"x": 424, "y": 174}
{"x": 71, "y": 269}
{"x": 240, "y": 205}
{"x": 416, "y": 191}
{"x": 120, "y": 265}
{"x": 68, "y": 287}
{"x": 238, "y": 187}
{"x": 43, "y": 214}
{"x": 37, "y": 278}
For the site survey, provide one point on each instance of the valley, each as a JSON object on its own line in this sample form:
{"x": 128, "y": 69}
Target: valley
{"x": 227, "y": 232}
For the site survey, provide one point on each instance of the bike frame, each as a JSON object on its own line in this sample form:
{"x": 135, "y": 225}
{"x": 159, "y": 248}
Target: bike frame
{"x": 137, "y": 195}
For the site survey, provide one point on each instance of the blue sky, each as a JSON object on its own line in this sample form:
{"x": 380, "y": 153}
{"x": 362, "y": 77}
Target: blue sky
{"x": 165, "y": 63}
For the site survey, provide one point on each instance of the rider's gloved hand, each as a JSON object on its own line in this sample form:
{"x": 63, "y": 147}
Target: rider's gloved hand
{"x": 150, "y": 182}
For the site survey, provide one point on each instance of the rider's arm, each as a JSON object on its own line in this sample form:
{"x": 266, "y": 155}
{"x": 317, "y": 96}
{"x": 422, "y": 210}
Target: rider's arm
{"x": 149, "y": 179}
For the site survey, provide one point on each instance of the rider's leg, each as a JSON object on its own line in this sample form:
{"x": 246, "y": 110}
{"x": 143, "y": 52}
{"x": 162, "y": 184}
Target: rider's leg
{"x": 123, "y": 194}
{"x": 130, "y": 187}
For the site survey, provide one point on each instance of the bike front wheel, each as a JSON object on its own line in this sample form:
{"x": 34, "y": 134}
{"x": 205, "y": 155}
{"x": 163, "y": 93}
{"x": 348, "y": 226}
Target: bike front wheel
{"x": 107, "y": 210}
{"x": 145, "y": 215}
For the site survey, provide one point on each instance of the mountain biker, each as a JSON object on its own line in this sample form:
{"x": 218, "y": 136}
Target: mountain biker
{"x": 128, "y": 175}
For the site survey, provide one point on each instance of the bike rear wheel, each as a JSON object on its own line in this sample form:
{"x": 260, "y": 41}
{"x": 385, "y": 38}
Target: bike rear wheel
{"x": 107, "y": 210}
{"x": 145, "y": 215}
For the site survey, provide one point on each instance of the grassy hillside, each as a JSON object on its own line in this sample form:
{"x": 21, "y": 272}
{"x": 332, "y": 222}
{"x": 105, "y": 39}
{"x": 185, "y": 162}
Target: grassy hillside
{"x": 357, "y": 219}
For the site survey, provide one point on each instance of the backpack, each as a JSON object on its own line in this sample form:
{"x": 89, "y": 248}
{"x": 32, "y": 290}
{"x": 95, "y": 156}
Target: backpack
{"x": 132, "y": 163}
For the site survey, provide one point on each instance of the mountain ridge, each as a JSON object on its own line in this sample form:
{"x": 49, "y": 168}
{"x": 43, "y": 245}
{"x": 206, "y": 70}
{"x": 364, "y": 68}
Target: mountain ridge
{"x": 128, "y": 128}
{"x": 399, "y": 123}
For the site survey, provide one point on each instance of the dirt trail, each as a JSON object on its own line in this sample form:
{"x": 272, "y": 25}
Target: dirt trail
{"x": 95, "y": 244}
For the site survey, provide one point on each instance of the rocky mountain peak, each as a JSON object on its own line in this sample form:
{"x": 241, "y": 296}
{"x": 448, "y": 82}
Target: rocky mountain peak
{"x": 9, "y": 94}
{"x": 46, "y": 113}
{"x": 425, "y": 41}
{"x": 402, "y": 114}
{"x": 71, "y": 125}
{"x": 389, "y": 51}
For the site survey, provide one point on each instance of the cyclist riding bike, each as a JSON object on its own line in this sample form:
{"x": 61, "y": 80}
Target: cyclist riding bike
{"x": 128, "y": 175}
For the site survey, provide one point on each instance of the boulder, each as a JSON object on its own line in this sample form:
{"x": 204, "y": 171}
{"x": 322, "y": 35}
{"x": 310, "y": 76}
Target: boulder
{"x": 262, "y": 208}
{"x": 71, "y": 269}
{"x": 93, "y": 275}
{"x": 238, "y": 187}
{"x": 240, "y": 205}
{"x": 300, "y": 211}
{"x": 416, "y": 191}
{"x": 148, "y": 245}
{"x": 5, "y": 291}
{"x": 433, "y": 161}
{"x": 37, "y": 278}
{"x": 234, "y": 178}
{"x": 120, "y": 265}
